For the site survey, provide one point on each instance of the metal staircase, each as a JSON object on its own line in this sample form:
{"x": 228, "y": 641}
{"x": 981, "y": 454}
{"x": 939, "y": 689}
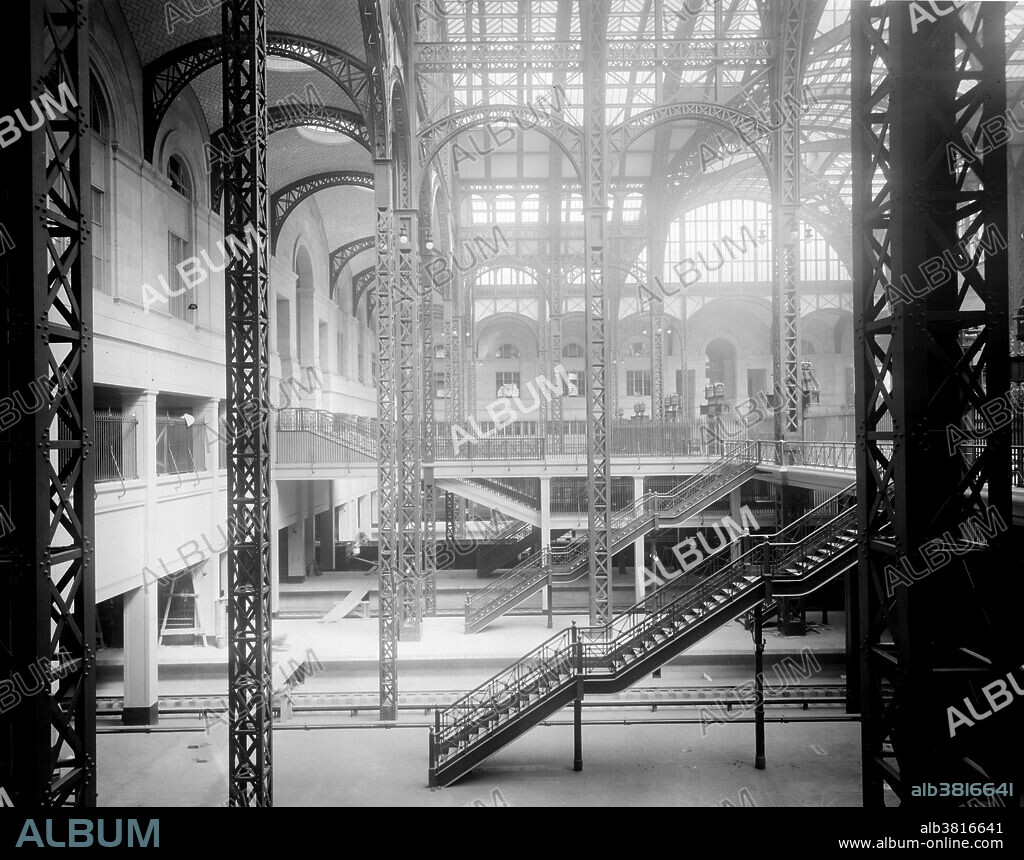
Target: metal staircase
{"x": 799, "y": 559}
{"x": 517, "y": 500}
{"x": 650, "y": 511}
{"x": 512, "y": 543}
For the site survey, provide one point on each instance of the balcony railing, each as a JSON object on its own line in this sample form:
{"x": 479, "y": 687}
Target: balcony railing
{"x": 116, "y": 452}
{"x": 179, "y": 446}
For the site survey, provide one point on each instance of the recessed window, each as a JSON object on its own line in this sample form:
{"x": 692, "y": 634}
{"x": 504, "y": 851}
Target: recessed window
{"x": 572, "y": 208}
{"x": 181, "y": 295}
{"x": 576, "y": 383}
{"x": 99, "y": 113}
{"x": 632, "y": 207}
{"x": 479, "y": 212}
{"x": 181, "y": 179}
{"x": 531, "y": 209}
{"x": 506, "y": 384}
{"x": 504, "y": 209}
{"x": 638, "y": 349}
{"x": 638, "y": 383}
{"x": 572, "y": 350}
{"x": 506, "y": 351}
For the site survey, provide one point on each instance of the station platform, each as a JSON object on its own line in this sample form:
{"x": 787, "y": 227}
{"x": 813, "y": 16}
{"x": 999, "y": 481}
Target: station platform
{"x": 448, "y": 658}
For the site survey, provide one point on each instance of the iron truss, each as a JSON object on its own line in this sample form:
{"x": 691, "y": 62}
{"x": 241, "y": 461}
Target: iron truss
{"x": 47, "y": 600}
{"x": 945, "y": 641}
{"x": 285, "y": 200}
{"x": 439, "y": 133}
{"x": 246, "y": 202}
{"x": 343, "y": 255}
{"x": 788, "y": 16}
{"x": 290, "y": 115}
{"x": 360, "y": 283}
{"x": 675, "y": 54}
{"x": 599, "y": 408}
{"x": 166, "y": 77}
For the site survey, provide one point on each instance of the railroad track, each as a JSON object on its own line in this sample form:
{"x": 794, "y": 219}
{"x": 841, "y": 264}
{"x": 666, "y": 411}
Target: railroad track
{"x": 652, "y": 697}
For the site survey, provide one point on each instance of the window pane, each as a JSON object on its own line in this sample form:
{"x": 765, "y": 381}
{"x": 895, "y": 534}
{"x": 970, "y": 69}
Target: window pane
{"x": 178, "y": 250}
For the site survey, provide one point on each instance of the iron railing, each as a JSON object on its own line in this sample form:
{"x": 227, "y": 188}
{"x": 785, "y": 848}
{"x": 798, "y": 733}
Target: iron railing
{"x": 180, "y": 446}
{"x": 596, "y": 652}
{"x": 565, "y": 561}
{"x": 116, "y": 452}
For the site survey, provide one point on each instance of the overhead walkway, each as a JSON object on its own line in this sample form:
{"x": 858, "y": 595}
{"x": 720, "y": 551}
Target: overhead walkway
{"x": 801, "y": 558}
{"x": 559, "y": 565}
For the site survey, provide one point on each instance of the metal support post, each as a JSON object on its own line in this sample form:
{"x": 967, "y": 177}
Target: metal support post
{"x": 247, "y": 279}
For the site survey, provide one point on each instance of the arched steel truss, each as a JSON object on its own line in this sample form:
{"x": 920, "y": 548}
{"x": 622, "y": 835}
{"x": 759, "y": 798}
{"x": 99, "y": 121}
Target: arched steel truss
{"x": 165, "y": 77}
{"x": 283, "y": 203}
{"x": 292, "y": 115}
{"x": 343, "y": 255}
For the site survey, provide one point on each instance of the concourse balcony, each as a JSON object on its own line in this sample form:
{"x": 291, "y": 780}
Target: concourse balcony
{"x": 316, "y": 445}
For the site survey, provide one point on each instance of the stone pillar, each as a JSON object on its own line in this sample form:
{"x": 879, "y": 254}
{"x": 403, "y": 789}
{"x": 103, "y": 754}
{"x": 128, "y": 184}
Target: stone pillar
{"x": 141, "y": 626}
{"x": 545, "y": 531}
{"x": 638, "y": 547}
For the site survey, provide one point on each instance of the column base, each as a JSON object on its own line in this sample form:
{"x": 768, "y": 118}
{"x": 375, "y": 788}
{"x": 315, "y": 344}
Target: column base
{"x": 141, "y": 716}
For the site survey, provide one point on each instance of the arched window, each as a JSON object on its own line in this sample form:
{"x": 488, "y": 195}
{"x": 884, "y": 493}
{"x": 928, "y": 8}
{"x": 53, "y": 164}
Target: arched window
{"x": 819, "y": 261}
{"x": 531, "y": 209}
{"x": 632, "y": 207}
{"x": 572, "y": 350}
{"x": 181, "y": 179}
{"x": 99, "y": 112}
{"x": 727, "y": 240}
{"x": 479, "y": 211}
{"x": 572, "y": 208}
{"x": 505, "y": 209}
{"x": 638, "y": 349}
{"x": 99, "y": 200}
{"x": 506, "y": 351}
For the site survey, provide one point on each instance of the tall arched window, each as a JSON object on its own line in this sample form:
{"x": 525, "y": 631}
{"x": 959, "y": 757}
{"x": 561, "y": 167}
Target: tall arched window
{"x": 572, "y": 208}
{"x": 531, "y": 209}
{"x": 505, "y": 209}
{"x": 181, "y": 179}
{"x": 183, "y": 301}
{"x": 728, "y": 240}
{"x": 99, "y": 200}
{"x": 479, "y": 211}
{"x": 632, "y": 206}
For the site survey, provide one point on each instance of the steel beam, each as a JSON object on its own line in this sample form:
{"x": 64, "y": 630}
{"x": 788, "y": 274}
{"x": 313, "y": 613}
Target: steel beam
{"x": 429, "y": 518}
{"x": 930, "y": 353}
{"x": 785, "y": 89}
{"x": 410, "y": 424}
{"x": 47, "y": 599}
{"x": 284, "y": 201}
{"x": 246, "y": 206}
{"x": 343, "y": 255}
{"x": 387, "y": 452}
{"x": 593, "y": 24}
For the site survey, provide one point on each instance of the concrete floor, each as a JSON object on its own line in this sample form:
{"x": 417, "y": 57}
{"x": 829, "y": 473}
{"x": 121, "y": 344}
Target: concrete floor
{"x": 636, "y": 765}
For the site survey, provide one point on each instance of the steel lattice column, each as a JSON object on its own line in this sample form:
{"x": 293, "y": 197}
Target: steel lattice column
{"x": 543, "y": 354}
{"x": 947, "y": 636}
{"x": 47, "y": 600}
{"x": 555, "y": 352}
{"x": 785, "y": 91}
{"x": 410, "y": 426}
{"x": 246, "y": 207}
{"x": 593, "y": 20}
{"x": 387, "y": 452}
{"x": 429, "y": 429}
